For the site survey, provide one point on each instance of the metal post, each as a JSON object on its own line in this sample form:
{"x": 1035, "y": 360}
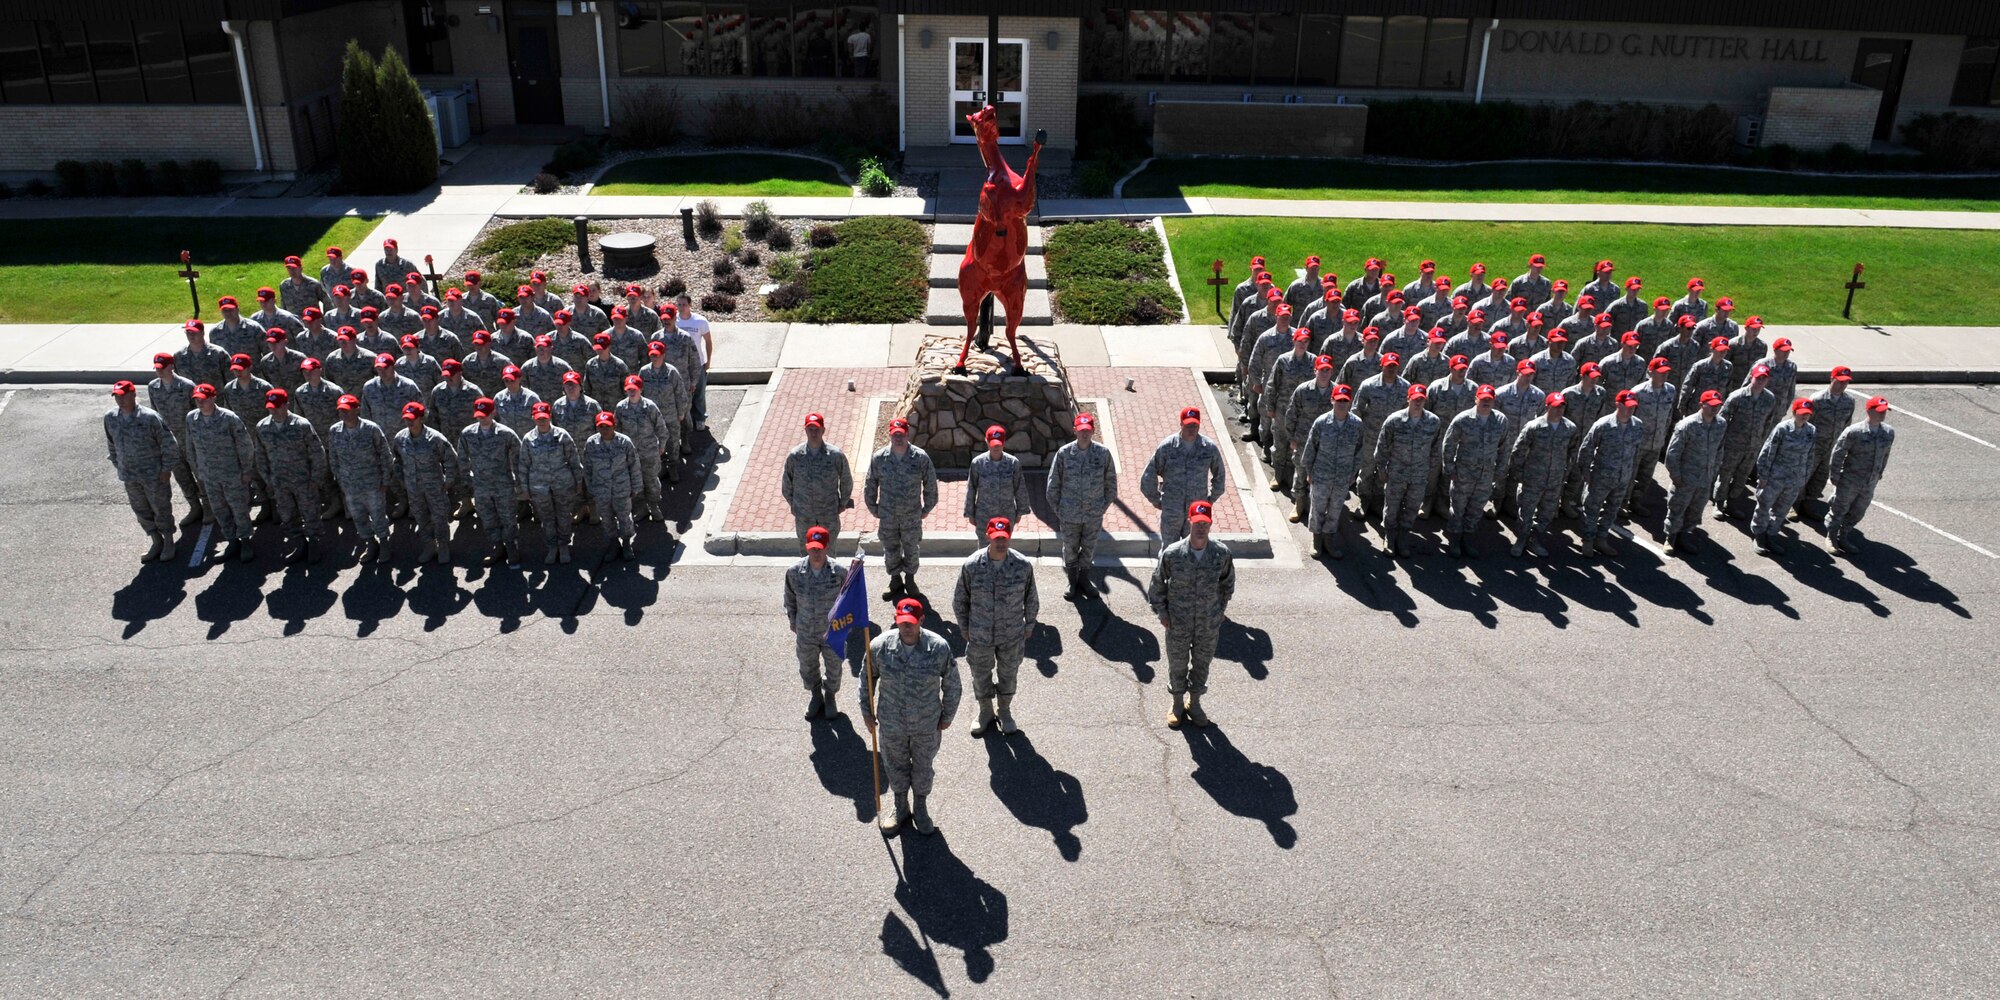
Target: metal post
{"x": 1218, "y": 281}
{"x": 187, "y": 271}
{"x": 583, "y": 242}
{"x": 1854, "y": 284}
{"x": 687, "y": 227}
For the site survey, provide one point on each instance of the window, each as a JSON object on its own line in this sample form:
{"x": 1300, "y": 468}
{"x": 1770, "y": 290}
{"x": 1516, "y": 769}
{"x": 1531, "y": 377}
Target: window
{"x": 1978, "y": 85}
{"x": 1360, "y": 51}
{"x": 1444, "y": 54}
{"x": 1402, "y": 52}
{"x": 642, "y": 41}
{"x": 429, "y": 41}
{"x": 1188, "y": 52}
{"x": 1277, "y": 46}
{"x": 1233, "y": 49}
{"x": 116, "y": 63}
{"x": 67, "y": 64}
{"x": 761, "y": 39}
{"x": 1103, "y": 55}
{"x": 21, "y": 80}
{"x": 163, "y": 62}
{"x": 860, "y": 43}
{"x": 1319, "y": 50}
{"x": 211, "y": 63}
{"x": 1147, "y": 32}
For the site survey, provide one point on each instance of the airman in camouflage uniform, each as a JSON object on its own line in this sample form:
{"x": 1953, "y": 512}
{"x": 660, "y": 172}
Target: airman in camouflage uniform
{"x": 1253, "y": 330}
{"x": 1406, "y": 457}
{"x": 1711, "y": 372}
{"x": 1329, "y": 459}
{"x": 996, "y": 605}
{"x": 812, "y": 588}
{"x": 1190, "y": 592}
{"x": 611, "y": 475}
{"x": 1691, "y": 305}
{"x": 604, "y": 374}
{"x": 1474, "y": 452}
{"x": 317, "y": 399}
{"x": 1681, "y": 352}
{"x": 418, "y": 367}
{"x": 1448, "y": 397}
{"x": 1656, "y": 329}
{"x": 1598, "y": 341}
{"x": 1532, "y": 285}
{"x": 1521, "y": 403}
{"x": 1746, "y": 350}
{"x": 1339, "y": 343}
{"x": 384, "y": 396}
{"x": 1539, "y": 462}
{"x": 1083, "y": 480}
{"x": 243, "y": 395}
{"x": 279, "y": 365}
{"x": 1608, "y": 456}
{"x": 225, "y": 460}
{"x": 1475, "y": 287}
{"x": 201, "y": 361}
{"x": 996, "y": 486}
{"x": 1694, "y": 459}
{"x": 270, "y": 317}
{"x": 483, "y": 365}
{"x": 543, "y": 373}
{"x": 1745, "y": 410}
{"x": 574, "y": 348}
{"x": 1242, "y": 294}
{"x": 1783, "y": 464}
{"x": 1365, "y": 365}
{"x": 530, "y": 316}
{"x": 652, "y": 434}
{"x": 1409, "y": 339}
{"x": 297, "y": 291}
{"x": 315, "y": 339}
{"x": 1304, "y": 289}
{"x": 392, "y": 267}
{"x": 912, "y": 693}
{"x": 292, "y": 462}
{"x": 172, "y": 396}
{"x": 1308, "y": 401}
{"x": 1287, "y": 373}
{"x": 1429, "y": 365}
{"x": 1627, "y": 311}
{"x": 451, "y": 400}
{"x": 1860, "y": 456}
{"x": 1784, "y": 382}
{"x": 481, "y": 301}
{"x": 1625, "y": 369}
{"x": 900, "y": 490}
{"x": 335, "y": 270}
{"x": 670, "y": 386}
{"x": 1555, "y": 367}
{"x": 1258, "y": 366}
{"x": 1374, "y": 401}
{"x": 1603, "y": 286}
{"x": 235, "y": 332}
{"x": 430, "y": 467}
{"x": 398, "y": 320}
{"x": 1496, "y": 367}
{"x": 817, "y": 483}
{"x": 1584, "y": 404}
{"x": 628, "y": 342}
{"x": 143, "y": 451}
{"x": 574, "y": 411}
{"x": 491, "y": 452}
{"x": 364, "y": 295}
{"x": 348, "y": 364}
{"x": 1361, "y": 289}
{"x": 1657, "y": 400}
{"x": 363, "y": 464}
{"x": 1184, "y": 468}
{"x": 433, "y": 339}
{"x": 1833, "y": 410}
{"x": 459, "y": 320}
{"x": 552, "y": 470}
{"x": 514, "y": 405}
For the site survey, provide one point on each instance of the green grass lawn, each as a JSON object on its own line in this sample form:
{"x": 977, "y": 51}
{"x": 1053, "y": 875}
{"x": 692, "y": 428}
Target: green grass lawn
{"x": 125, "y": 270}
{"x": 1346, "y": 180}
{"x": 1785, "y": 274}
{"x": 725, "y": 174}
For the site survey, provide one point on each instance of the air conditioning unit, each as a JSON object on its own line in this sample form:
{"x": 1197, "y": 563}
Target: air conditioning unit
{"x": 1749, "y": 130}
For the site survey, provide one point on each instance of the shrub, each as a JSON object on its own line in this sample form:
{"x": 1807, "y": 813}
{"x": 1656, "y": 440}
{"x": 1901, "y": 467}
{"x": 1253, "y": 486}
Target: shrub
{"x": 780, "y": 238}
{"x": 360, "y": 127}
{"x": 204, "y": 177}
{"x": 1951, "y": 141}
{"x": 1845, "y": 157}
{"x": 822, "y": 236}
{"x": 749, "y": 257}
{"x": 672, "y": 287}
{"x": 1095, "y": 179}
{"x": 6, "y": 190}
{"x": 786, "y": 297}
{"x": 874, "y": 272}
{"x": 1116, "y": 302}
{"x": 875, "y": 180}
{"x": 707, "y": 217}
{"x": 784, "y": 267}
{"x": 385, "y": 135}
{"x": 168, "y": 178}
{"x": 723, "y": 265}
{"x": 647, "y": 119}
{"x": 102, "y": 178}
{"x": 520, "y": 244}
{"x": 571, "y": 157}
{"x": 1109, "y": 128}
{"x": 37, "y": 188}
{"x": 716, "y": 302}
{"x": 545, "y": 183}
{"x": 731, "y": 283}
{"x": 732, "y": 240}
{"x": 884, "y": 228}
{"x": 757, "y": 219}
{"x": 1106, "y": 248}
{"x": 133, "y": 181}
{"x": 72, "y": 179}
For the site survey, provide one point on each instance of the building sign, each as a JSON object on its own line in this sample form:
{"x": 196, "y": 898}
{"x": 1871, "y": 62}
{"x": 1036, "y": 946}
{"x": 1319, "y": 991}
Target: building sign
{"x": 1643, "y": 45}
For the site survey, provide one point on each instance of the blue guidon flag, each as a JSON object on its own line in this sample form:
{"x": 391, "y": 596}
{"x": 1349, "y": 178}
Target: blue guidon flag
{"x": 850, "y": 610}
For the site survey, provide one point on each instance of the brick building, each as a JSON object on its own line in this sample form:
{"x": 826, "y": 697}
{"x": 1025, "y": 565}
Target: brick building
{"x": 253, "y": 84}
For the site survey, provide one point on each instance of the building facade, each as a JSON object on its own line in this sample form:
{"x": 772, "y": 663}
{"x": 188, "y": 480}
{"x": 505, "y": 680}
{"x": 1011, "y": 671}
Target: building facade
{"x": 254, "y": 84}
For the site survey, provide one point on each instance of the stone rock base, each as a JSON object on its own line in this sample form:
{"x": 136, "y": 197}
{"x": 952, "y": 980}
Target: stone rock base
{"x": 949, "y": 413}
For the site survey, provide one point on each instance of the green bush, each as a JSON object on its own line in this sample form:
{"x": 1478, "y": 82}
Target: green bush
{"x": 1428, "y": 129}
{"x": 72, "y": 180}
{"x": 784, "y": 267}
{"x": 822, "y": 236}
{"x": 1951, "y": 141}
{"x": 570, "y": 157}
{"x": 757, "y": 219}
{"x": 520, "y": 244}
{"x": 385, "y": 137}
{"x": 204, "y": 177}
{"x": 359, "y": 132}
{"x": 168, "y": 177}
{"x": 410, "y": 157}
{"x": 1117, "y": 302}
{"x": 133, "y": 180}
{"x": 732, "y": 240}
{"x": 545, "y": 183}
{"x": 647, "y": 119}
{"x": 779, "y": 238}
{"x": 874, "y": 273}
{"x": 707, "y": 217}
{"x": 1106, "y": 248}
{"x": 1097, "y": 178}
{"x": 787, "y": 296}
{"x": 875, "y": 180}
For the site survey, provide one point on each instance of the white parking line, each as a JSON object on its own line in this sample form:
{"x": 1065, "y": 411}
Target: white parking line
{"x": 4, "y": 400}
{"x": 1898, "y": 410}
{"x": 1879, "y": 505}
{"x": 1620, "y": 531}
{"x": 200, "y": 547}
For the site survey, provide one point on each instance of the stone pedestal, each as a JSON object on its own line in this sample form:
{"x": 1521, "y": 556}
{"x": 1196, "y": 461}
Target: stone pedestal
{"x": 949, "y": 413}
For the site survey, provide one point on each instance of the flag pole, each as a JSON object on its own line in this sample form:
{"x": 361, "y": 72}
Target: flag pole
{"x": 874, "y": 749}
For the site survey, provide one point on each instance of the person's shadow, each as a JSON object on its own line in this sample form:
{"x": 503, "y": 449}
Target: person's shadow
{"x": 155, "y": 591}
{"x": 839, "y": 755}
{"x": 237, "y": 591}
{"x": 1244, "y": 644}
{"x": 1043, "y": 646}
{"x": 436, "y": 595}
{"x": 950, "y": 905}
{"x": 1035, "y": 792}
{"x": 1810, "y": 564}
{"x": 371, "y": 598}
{"x": 1241, "y": 785}
{"x": 302, "y": 595}
{"x": 1121, "y": 641}
{"x": 1891, "y": 567}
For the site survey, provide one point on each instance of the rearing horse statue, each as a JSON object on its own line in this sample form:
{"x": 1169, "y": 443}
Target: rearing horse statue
{"x": 996, "y": 257}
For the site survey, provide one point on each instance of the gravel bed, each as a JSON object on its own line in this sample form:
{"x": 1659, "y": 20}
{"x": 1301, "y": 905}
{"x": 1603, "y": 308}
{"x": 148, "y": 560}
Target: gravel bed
{"x": 909, "y": 184}
{"x": 696, "y": 267}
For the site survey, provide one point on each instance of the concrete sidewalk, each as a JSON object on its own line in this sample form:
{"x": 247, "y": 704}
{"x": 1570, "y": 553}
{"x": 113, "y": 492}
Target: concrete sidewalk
{"x": 750, "y": 352}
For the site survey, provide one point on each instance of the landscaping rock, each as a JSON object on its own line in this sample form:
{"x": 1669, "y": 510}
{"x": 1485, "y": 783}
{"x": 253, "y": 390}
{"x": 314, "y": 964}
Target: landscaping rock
{"x": 949, "y": 413}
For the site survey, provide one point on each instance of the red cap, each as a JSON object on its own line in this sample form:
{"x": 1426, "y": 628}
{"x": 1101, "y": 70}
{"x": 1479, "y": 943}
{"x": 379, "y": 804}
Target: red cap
{"x": 1629, "y": 338}
{"x": 654, "y": 347}
{"x": 1333, "y": 295}
{"x": 1801, "y": 406}
{"x": 1718, "y": 343}
{"x": 1534, "y": 259}
{"x": 1659, "y": 365}
{"x": 239, "y": 362}
{"x": 999, "y": 527}
{"x": 817, "y": 537}
{"x": 1497, "y": 340}
{"x": 309, "y": 365}
{"x": 523, "y": 291}
{"x": 204, "y": 391}
{"x": 815, "y": 420}
{"x": 162, "y": 360}
{"x": 333, "y": 251}
{"x": 347, "y": 401}
{"x": 507, "y": 313}
{"x": 266, "y": 293}
{"x": 1436, "y": 336}
{"x": 1725, "y": 303}
{"x": 1394, "y": 295}
{"x": 276, "y": 398}
{"x": 1372, "y": 263}
{"x": 1459, "y": 362}
{"x": 1558, "y": 337}
{"x": 541, "y": 276}
{"x": 511, "y": 373}
{"x": 1711, "y": 398}
{"x": 451, "y": 365}
{"x": 1190, "y": 415}
{"x": 1312, "y": 260}
{"x": 1084, "y": 421}
{"x": 541, "y": 410}
{"x": 1842, "y": 373}
{"x": 996, "y": 433}
{"x": 911, "y": 611}
{"x": 899, "y": 424}
{"x": 123, "y": 387}
{"x": 1390, "y": 360}
{"x": 345, "y": 335}
{"x": 389, "y": 244}
{"x": 1662, "y": 302}
{"x": 1559, "y": 285}
{"x": 1428, "y": 266}
{"x": 1554, "y": 399}
{"x": 601, "y": 339}
{"x": 483, "y": 405}
{"x": 311, "y": 312}
{"x": 606, "y": 419}
{"x": 1201, "y": 511}
{"x": 1603, "y": 320}
{"x": 394, "y": 291}
{"x": 1604, "y": 266}
{"x": 1687, "y": 321}
{"x": 1537, "y": 319}
{"x": 1478, "y": 267}
{"x": 453, "y": 295}
{"x": 369, "y": 312}
{"x": 1634, "y": 283}
{"x": 545, "y": 340}
{"x": 1418, "y": 392}
{"x": 1257, "y": 261}
{"x": 1695, "y": 283}
{"x": 1589, "y": 369}
{"x": 409, "y": 342}
{"x": 1322, "y": 364}
{"x": 472, "y": 277}
{"x": 1760, "y": 371}
{"x": 1300, "y": 335}
{"x": 1626, "y": 399}
{"x": 563, "y": 317}
{"x": 1341, "y": 393}
{"x": 1413, "y": 313}
{"x": 634, "y": 382}
{"x": 1754, "y": 322}
{"x": 634, "y": 290}
{"x": 1526, "y": 366}
{"x": 428, "y": 312}
{"x": 482, "y": 336}
{"x": 579, "y": 289}
{"x": 385, "y": 360}
{"x": 572, "y": 377}
{"x": 1586, "y": 302}
{"x": 226, "y": 302}
{"x": 1878, "y": 404}
{"x": 1782, "y": 344}
{"x": 1484, "y": 392}
{"x": 413, "y": 411}
{"x": 1350, "y": 315}
{"x": 292, "y": 260}
{"x": 1460, "y": 302}
{"x": 1281, "y": 309}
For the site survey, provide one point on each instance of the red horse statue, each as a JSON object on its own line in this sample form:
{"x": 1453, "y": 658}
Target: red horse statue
{"x": 996, "y": 258}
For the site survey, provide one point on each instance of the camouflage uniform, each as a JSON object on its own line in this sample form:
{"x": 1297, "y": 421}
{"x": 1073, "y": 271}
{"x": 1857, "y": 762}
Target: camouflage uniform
{"x": 1179, "y": 473}
{"x": 1329, "y": 458}
{"x": 1341, "y": 348}
{"x": 1539, "y": 462}
{"x": 629, "y": 345}
{"x": 1831, "y": 414}
{"x": 363, "y": 464}
{"x": 1361, "y": 367}
{"x": 1191, "y": 590}
{"x": 899, "y": 491}
{"x": 588, "y": 320}
{"x": 429, "y": 467}
{"x": 577, "y": 416}
{"x": 533, "y": 320}
{"x": 491, "y": 455}
{"x": 1656, "y": 411}
{"x": 604, "y": 378}
{"x": 247, "y": 402}
{"x": 1521, "y": 407}
{"x": 1784, "y": 384}
{"x": 1783, "y": 464}
{"x": 651, "y": 435}
{"x": 996, "y": 605}
{"x": 996, "y": 487}
{"x": 1447, "y": 401}
{"x": 1474, "y": 452}
{"x": 574, "y": 349}
{"x": 1694, "y": 459}
{"x": 1302, "y": 292}
{"x": 1406, "y": 453}
{"x": 1626, "y": 313}
{"x": 1654, "y": 331}
{"x": 1621, "y": 371}
{"x": 1289, "y": 371}
{"x": 142, "y": 448}
{"x": 667, "y": 386}
{"x": 1681, "y": 353}
{"x": 223, "y": 451}
{"x": 484, "y": 371}
{"x": 451, "y": 406}
{"x": 1691, "y": 304}
{"x": 1859, "y": 457}
{"x": 1406, "y": 343}
{"x": 351, "y": 369}
{"x": 1425, "y": 368}
{"x": 1082, "y": 484}
{"x": 1553, "y": 313}
{"x": 243, "y": 336}
{"x": 291, "y": 462}
{"x": 516, "y": 408}
{"x": 544, "y": 376}
{"x": 295, "y": 294}
{"x": 1745, "y": 350}
{"x": 1595, "y": 347}
{"x": 441, "y": 344}
{"x": 392, "y": 271}
{"x": 1487, "y": 369}
{"x": 810, "y": 595}
{"x": 483, "y": 303}
{"x": 173, "y": 401}
{"x": 1608, "y": 457}
{"x": 210, "y": 364}
{"x": 1534, "y": 287}
{"x": 316, "y": 341}
{"x": 1359, "y": 291}
{"x": 1309, "y": 400}
{"x": 1583, "y": 409}
{"x": 460, "y": 321}
{"x": 552, "y": 470}
{"x": 1710, "y": 373}
{"x": 1257, "y": 366}
{"x": 611, "y": 473}
{"x": 911, "y": 691}
{"x": 423, "y": 370}
{"x": 399, "y": 320}
{"x": 384, "y": 403}
{"x": 279, "y": 319}
{"x": 1745, "y": 412}
{"x": 1553, "y": 371}
{"x": 1374, "y": 400}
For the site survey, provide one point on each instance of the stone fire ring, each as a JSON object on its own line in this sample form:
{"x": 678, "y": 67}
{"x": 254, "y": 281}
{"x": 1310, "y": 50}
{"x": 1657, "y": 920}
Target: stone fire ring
{"x": 626, "y": 250}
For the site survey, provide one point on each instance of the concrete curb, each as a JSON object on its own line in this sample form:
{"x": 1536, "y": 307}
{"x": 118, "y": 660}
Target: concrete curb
{"x": 959, "y": 544}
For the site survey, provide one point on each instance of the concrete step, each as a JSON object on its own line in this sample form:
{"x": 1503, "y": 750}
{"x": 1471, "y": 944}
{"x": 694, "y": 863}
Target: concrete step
{"x": 944, "y": 270}
{"x": 947, "y": 309}
{"x": 951, "y": 237}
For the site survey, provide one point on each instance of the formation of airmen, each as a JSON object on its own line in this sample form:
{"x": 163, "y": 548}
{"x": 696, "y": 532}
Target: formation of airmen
{"x": 1434, "y": 400}
{"x": 335, "y": 399}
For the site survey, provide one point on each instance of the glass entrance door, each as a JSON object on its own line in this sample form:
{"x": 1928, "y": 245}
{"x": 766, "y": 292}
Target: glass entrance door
{"x": 1001, "y": 81}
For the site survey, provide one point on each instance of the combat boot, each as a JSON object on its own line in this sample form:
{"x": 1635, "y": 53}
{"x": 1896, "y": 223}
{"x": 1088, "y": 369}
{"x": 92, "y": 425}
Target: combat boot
{"x": 816, "y": 705}
{"x": 1537, "y": 549}
{"x": 1457, "y": 548}
{"x": 498, "y": 555}
{"x": 1194, "y": 712}
{"x": 229, "y": 550}
{"x": 1763, "y": 544}
{"x": 631, "y": 551}
{"x": 313, "y": 550}
{"x": 1295, "y": 516}
{"x": 1844, "y": 543}
{"x": 369, "y": 550}
{"x": 985, "y": 722}
{"x": 266, "y": 514}
{"x": 674, "y": 473}
{"x": 832, "y": 708}
{"x": 244, "y": 553}
{"x": 550, "y": 558}
{"x": 1319, "y": 543}
{"x": 1605, "y": 546}
{"x": 430, "y": 551}
{"x": 1519, "y": 548}
{"x": 381, "y": 550}
{"x": 562, "y": 553}
{"x": 444, "y": 551}
{"x": 920, "y": 820}
{"x": 298, "y": 553}
{"x": 193, "y": 516}
{"x": 1673, "y": 547}
{"x": 514, "y": 554}
{"x": 895, "y": 591}
{"x": 152, "y": 553}
{"x": 891, "y": 820}
{"x": 1175, "y": 713}
{"x": 1007, "y": 726}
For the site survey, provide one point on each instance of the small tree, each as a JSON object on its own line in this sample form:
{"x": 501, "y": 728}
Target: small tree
{"x": 359, "y": 137}
{"x": 409, "y": 156}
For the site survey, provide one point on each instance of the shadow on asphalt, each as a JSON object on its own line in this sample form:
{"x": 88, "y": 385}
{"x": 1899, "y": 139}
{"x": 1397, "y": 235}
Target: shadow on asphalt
{"x": 1035, "y": 792}
{"x": 1241, "y": 785}
{"x": 950, "y": 905}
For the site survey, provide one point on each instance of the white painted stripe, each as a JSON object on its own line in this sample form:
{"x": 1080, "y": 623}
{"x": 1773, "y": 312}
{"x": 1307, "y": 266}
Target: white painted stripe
{"x": 1898, "y": 410}
{"x": 1879, "y": 505}
{"x": 1641, "y": 541}
{"x": 200, "y": 546}
{"x": 4, "y": 400}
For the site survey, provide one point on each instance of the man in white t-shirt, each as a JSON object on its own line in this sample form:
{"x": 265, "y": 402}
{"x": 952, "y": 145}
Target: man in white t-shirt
{"x": 859, "y": 45}
{"x": 695, "y": 325}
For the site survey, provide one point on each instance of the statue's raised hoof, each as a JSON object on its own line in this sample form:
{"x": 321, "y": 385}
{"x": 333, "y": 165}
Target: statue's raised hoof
{"x": 958, "y": 369}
